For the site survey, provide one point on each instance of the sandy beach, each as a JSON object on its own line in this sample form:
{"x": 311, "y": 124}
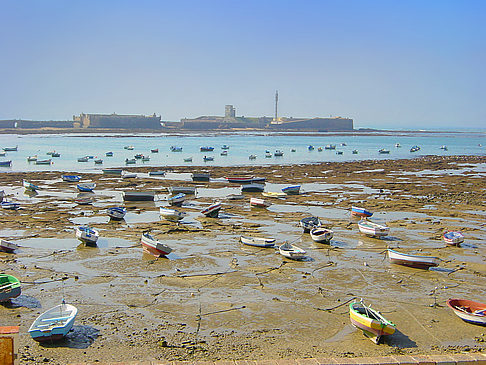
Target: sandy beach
{"x": 215, "y": 298}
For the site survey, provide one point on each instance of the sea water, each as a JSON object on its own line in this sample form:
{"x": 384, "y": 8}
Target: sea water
{"x": 295, "y": 148}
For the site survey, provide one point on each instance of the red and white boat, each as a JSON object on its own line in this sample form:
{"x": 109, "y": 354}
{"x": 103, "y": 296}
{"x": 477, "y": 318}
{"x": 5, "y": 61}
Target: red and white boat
{"x": 373, "y": 229}
{"x": 419, "y": 262}
{"x": 453, "y": 238}
{"x": 469, "y": 311}
{"x": 260, "y": 203}
{"x": 212, "y": 211}
{"x": 153, "y": 246}
{"x": 7, "y": 246}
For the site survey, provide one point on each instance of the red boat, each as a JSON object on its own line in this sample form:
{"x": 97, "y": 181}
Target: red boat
{"x": 153, "y": 246}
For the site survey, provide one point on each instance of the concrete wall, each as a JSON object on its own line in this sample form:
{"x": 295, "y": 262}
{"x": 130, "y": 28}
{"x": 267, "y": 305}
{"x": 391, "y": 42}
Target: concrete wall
{"x": 317, "y": 124}
{"x": 118, "y": 121}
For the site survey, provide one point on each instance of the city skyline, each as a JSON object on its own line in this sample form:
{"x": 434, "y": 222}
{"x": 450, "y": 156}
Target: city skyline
{"x": 386, "y": 65}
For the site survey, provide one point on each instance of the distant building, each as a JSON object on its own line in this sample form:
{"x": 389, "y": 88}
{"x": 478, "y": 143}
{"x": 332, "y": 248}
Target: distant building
{"x": 231, "y": 121}
{"x": 114, "y": 120}
{"x": 35, "y": 124}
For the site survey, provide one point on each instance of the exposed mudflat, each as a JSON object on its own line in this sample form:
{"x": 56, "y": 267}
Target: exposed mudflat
{"x": 214, "y": 298}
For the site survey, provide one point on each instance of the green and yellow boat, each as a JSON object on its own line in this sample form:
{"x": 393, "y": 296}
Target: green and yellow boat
{"x": 9, "y": 287}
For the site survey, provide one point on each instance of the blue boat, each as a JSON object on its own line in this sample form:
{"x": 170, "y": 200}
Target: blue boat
{"x": 175, "y": 149}
{"x": 310, "y": 148}
{"x": 177, "y": 200}
{"x": 116, "y": 213}
{"x": 206, "y": 149}
{"x": 86, "y": 187}
{"x": 291, "y": 190}
{"x": 361, "y": 212}
{"x": 109, "y": 154}
{"x": 6, "y": 163}
{"x": 54, "y": 324}
{"x": 71, "y": 178}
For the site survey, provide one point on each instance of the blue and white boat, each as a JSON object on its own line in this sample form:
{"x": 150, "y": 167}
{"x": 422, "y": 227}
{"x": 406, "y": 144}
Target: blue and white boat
{"x": 453, "y": 238}
{"x": 71, "y": 178}
{"x": 6, "y": 163}
{"x": 175, "y": 149}
{"x": 177, "y": 200}
{"x": 10, "y": 205}
{"x": 86, "y": 187}
{"x": 54, "y": 324}
{"x": 206, "y": 149}
{"x": 87, "y": 234}
{"x": 116, "y": 213}
{"x": 171, "y": 214}
{"x": 291, "y": 190}
{"x": 360, "y": 212}
{"x": 29, "y": 186}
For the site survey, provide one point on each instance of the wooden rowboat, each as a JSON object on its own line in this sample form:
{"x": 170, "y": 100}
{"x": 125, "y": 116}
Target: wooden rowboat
{"x": 253, "y": 187}
{"x": 308, "y": 223}
{"x": 453, "y": 238}
{"x": 370, "y": 321}
{"x": 71, "y": 178}
{"x": 360, "y": 212}
{"x": 212, "y": 211}
{"x": 86, "y": 187}
{"x": 153, "y": 246}
{"x": 419, "y": 262}
{"x": 87, "y": 235}
{"x": 116, "y": 213}
{"x": 7, "y": 246}
{"x": 291, "y": 251}
{"x": 373, "y": 229}
{"x": 177, "y": 200}
{"x": 171, "y": 214}
{"x": 9, "y": 287}
{"x": 258, "y": 241}
{"x": 291, "y": 190}
{"x": 29, "y": 186}
{"x": 54, "y": 324}
{"x": 260, "y": 203}
{"x": 469, "y": 311}
{"x": 321, "y": 235}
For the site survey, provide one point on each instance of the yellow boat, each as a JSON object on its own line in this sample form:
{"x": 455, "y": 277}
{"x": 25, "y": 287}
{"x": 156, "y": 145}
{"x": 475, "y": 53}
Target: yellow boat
{"x": 273, "y": 194}
{"x": 370, "y": 321}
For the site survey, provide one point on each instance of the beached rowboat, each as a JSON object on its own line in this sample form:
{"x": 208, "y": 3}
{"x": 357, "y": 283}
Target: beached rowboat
{"x": 321, "y": 235}
{"x": 9, "y": 287}
{"x": 71, "y": 178}
{"x": 291, "y": 251}
{"x": 258, "y": 241}
{"x": 7, "y": 246}
{"x": 153, "y": 246}
{"x": 88, "y": 235}
{"x": 252, "y": 187}
{"x": 112, "y": 171}
{"x": 360, "y": 212}
{"x": 29, "y": 186}
{"x": 373, "y": 229}
{"x": 419, "y": 262}
{"x": 138, "y": 195}
{"x": 245, "y": 180}
{"x": 10, "y": 205}
{"x": 54, "y": 324}
{"x": 200, "y": 176}
{"x": 370, "y": 321}
{"x": 183, "y": 189}
{"x": 308, "y": 223}
{"x": 116, "y": 213}
{"x": 86, "y": 187}
{"x": 177, "y": 200}
{"x": 171, "y": 214}
{"x": 453, "y": 238}
{"x": 291, "y": 190}
{"x": 469, "y": 311}
{"x": 259, "y": 203}
{"x": 212, "y": 211}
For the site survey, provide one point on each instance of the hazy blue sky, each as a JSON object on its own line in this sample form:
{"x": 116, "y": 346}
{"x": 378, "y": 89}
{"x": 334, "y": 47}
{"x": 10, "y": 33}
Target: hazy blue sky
{"x": 394, "y": 64}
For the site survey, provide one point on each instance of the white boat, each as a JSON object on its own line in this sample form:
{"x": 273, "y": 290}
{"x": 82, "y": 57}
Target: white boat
{"x": 322, "y": 235}
{"x": 7, "y": 246}
{"x": 177, "y": 200}
{"x": 154, "y": 246}
{"x": 200, "y": 176}
{"x": 128, "y": 175}
{"x": 278, "y": 153}
{"x": 87, "y": 234}
{"x": 189, "y": 159}
{"x": 156, "y": 173}
{"x": 172, "y": 214}
{"x": 2, "y": 195}
{"x": 212, "y": 211}
{"x": 83, "y": 159}
{"x": 29, "y": 186}
{"x": 419, "y": 262}
{"x": 258, "y": 241}
{"x": 260, "y": 203}
{"x": 252, "y": 157}
{"x": 116, "y": 213}
{"x": 32, "y": 158}
{"x": 273, "y": 194}
{"x": 291, "y": 251}
{"x": 53, "y": 324}
{"x": 86, "y": 187}
{"x": 453, "y": 238}
{"x": 308, "y": 223}
{"x": 43, "y": 162}
{"x": 468, "y": 310}
{"x": 373, "y": 229}
{"x": 10, "y": 205}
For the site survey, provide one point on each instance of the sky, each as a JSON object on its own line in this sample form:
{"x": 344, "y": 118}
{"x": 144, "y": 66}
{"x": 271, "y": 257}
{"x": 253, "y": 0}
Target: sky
{"x": 386, "y": 64}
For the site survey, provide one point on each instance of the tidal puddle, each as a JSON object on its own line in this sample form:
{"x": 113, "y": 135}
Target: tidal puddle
{"x": 89, "y": 220}
{"x": 71, "y": 243}
{"x": 11, "y": 233}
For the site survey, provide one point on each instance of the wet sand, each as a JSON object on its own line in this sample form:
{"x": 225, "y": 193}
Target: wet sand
{"x": 214, "y": 298}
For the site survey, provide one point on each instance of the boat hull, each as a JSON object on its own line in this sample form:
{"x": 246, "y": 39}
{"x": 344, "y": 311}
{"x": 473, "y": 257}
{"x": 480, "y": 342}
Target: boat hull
{"x": 309, "y": 222}
{"x": 49, "y": 328}
{"x": 453, "y": 238}
{"x": 252, "y": 188}
{"x": 172, "y": 214}
{"x": 465, "y": 309}
{"x": 418, "y": 262}
{"x": 321, "y": 235}
{"x": 88, "y": 236}
{"x": 138, "y": 196}
{"x": 116, "y": 213}
{"x": 212, "y": 211}
{"x": 8, "y": 247}
{"x": 360, "y": 212}
{"x": 258, "y": 241}
{"x": 292, "y": 190}
{"x": 154, "y": 247}
{"x": 375, "y": 327}
{"x": 10, "y": 294}
{"x": 373, "y": 229}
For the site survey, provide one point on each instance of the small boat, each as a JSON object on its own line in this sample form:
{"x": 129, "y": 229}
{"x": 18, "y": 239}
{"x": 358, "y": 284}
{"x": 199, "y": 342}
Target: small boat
{"x": 29, "y": 186}
{"x": 43, "y": 162}
{"x": 224, "y": 153}
{"x": 112, "y": 171}
{"x": 291, "y": 251}
{"x": 130, "y": 161}
{"x": 259, "y": 203}
{"x": 278, "y": 153}
{"x": 258, "y": 241}
{"x": 206, "y": 149}
{"x": 415, "y": 149}
{"x": 138, "y": 195}
{"x": 116, "y": 213}
{"x": 339, "y": 152}
{"x": 252, "y": 157}
{"x": 419, "y": 262}
{"x": 321, "y": 235}
{"x": 138, "y": 156}
{"x": 145, "y": 158}
{"x": 83, "y": 200}
{"x": 373, "y": 229}
{"x": 71, "y": 178}
{"x": 87, "y": 235}
{"x": 32, "y": 158}
{"x": 98, "y": 161}
{"x": 360, "y": 212}
{"x": 319, "y": 149}
{"x": 154, "y": 246}
{"x": 154, "y": 150}
{"x": 310, "y": 148}
{"x": 201, "y": 176}
{"x": 54, "y": 324}
{"x": 273, "y": 194}
{"x": 177, "y": 200}
{"x": 355, "y": 152}
{"x": 2, "y": 195}
{"x": 109, "y": 154}
{"x": 398, "y": 145}
{"x": 156, "y": 173}
{"x": 208, "y": 158}
{"x": 383, "y": 151}
{"x": 291, "y": 190}
{"x": 172, "y": 214}
{"x": 453, "y": 238}
{"x": 7, "y": 149}
{"x": 343, "y": 144}
{"x": 175, "y": 149}
{"x": 245, "y": 180}
{"x": 56, "y": 154}
{"x": 293, "y": 150}
{"x": 7, "y": 246}
{"x": 370, "y": 321}
{"x": 129, "y": 175}
{"x": 225, "y": 147}
{"x": 212, "y": 211}
{"x": 6, "y": 163}
{"x": 2, "y": 153}
{"x": 268, "y": 155}
{"x": 444, "y": 148}
{"x": 468, "y": 310}
{"x": 189, "y": 159}
{"x": 83, "y": 159}
{"x": 10, "y": 205}
{"x": 254, "y": 187}
{"x": 130, "y": 148}
{"x": 86, "y": 187}
{"x": 9, "y": 287}
{"x": 183, "y": 189}
{"x": 308, "y": 223}
{"x": 235, "y": 197}
{"x": 330, "y": 147}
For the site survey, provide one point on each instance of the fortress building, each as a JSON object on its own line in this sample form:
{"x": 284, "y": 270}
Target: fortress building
{"x": 116, "y": 121}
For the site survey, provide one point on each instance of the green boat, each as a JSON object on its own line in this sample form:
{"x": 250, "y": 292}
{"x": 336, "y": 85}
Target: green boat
{"x": 9, "y": 287}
